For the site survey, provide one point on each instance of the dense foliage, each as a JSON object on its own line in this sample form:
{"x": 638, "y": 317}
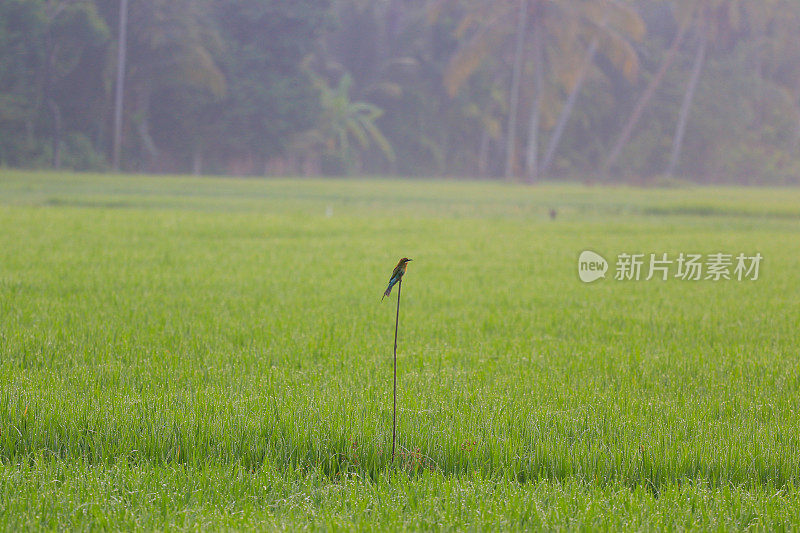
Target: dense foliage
{"x": 526, "y": 89}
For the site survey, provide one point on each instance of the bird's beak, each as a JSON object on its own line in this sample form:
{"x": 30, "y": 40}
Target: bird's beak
{"x": 409, "y": 260}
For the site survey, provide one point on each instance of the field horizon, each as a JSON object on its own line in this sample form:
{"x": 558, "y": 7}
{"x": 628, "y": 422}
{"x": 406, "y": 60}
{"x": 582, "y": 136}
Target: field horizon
{"x": 208, "y": 353}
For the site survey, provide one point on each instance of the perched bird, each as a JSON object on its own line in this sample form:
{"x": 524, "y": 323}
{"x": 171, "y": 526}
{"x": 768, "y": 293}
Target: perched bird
{"x": 397, "y": 275}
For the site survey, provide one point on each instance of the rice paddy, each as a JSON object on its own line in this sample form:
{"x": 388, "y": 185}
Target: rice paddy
{"x": 200, "y": 353}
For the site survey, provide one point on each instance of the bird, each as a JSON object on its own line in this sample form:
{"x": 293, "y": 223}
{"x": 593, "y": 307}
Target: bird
{"x": 397, "y": 275}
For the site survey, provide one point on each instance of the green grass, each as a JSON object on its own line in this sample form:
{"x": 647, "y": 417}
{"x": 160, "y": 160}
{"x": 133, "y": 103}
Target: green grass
{"x": 182, "y": 353}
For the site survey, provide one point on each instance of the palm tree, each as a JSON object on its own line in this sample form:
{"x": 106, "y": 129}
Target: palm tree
{"x": 168, "y": 41}
{"x": 608, "y": 27}
{"x": 688, "y": 97}
{"x": 713, "y": 20}
{"x": 567, "y": 35}
{"x": 68, "y": 28}
{"x": 641, "y": 104}
{"x": 516, "y": 79}
{"x": 776, "y": 24}
{"x": 532, "y": 152}
{"x": 119, "y": 84}
{"x": 345, "y": 123}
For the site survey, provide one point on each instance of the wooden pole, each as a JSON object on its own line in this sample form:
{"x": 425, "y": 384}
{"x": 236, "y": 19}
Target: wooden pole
{"x": 394, "y": 389}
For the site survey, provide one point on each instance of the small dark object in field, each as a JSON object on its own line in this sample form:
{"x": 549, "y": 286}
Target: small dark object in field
{"x": 553, "y": 213}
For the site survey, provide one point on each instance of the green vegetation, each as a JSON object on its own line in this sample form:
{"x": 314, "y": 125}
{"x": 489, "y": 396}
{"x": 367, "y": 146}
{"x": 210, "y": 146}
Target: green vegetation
{"x": 625, "y": 90}
{"x": 206, "y": 353}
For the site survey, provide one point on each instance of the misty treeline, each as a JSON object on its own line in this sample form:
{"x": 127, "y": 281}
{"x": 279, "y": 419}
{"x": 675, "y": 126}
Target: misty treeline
{"x": 521, "y": 89}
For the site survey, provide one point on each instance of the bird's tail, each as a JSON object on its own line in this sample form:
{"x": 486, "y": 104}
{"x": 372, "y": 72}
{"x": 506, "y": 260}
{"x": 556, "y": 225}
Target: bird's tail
{"x": 387, "y": 292}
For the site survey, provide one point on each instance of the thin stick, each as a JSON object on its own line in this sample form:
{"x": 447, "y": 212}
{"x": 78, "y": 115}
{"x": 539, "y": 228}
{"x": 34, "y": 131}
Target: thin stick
{"x": 394, "y": 390}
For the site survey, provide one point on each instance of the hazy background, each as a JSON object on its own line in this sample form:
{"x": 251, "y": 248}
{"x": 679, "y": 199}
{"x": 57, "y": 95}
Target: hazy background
{"x": 638, "y": 90}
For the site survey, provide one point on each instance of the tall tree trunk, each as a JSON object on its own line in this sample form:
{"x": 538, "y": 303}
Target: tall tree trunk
{"x": 56, "y": 111}
{"x": 483, "y": 153}
{"x": 644, "y": 99}
{"x": 46, "y": 97}
{"x": 197, "y": 160}
{"x": 120, "y": 82}
{"x": 444, "y": 153}
{"x": 569, "y": 106}
{"x": 532, "y": 155}
{"x": 516, "y": 80}
{"x": 143, "y": 128}
{"x": 49, "y": 101}
{"x": 30, "y": 136}
{"x": 688, "y": 98}
{"x": 796, "y": 140}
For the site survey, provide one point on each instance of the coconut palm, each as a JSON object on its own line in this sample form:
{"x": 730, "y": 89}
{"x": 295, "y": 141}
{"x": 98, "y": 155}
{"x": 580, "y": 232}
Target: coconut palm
{"x": 346, "y": 126}
{"x": 563, "y": 40}
{"x": 168, "y": 42}
{"x": 67, "y": 28}
{"x": 713, "y": 19}
{"x": 685, "y": 12}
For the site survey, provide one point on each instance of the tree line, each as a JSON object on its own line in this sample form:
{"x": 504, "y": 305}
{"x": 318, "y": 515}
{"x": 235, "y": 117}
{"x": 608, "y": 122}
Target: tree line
{"x": 516, "y": 89}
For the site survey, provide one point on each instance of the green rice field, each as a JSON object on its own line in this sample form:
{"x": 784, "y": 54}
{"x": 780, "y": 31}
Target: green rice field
{"x": 213, "y": 354}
